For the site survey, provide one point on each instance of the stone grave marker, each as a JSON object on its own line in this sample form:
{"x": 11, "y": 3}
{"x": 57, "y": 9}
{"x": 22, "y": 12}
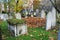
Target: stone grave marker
{"x": 4, "y": 16}
{"x": 18, "y": 15}
{"x": 53, "y": 17}
{"x": 48, "y": 22}
{"x": 37, "y": 12}
{"x": 42, "y": 14}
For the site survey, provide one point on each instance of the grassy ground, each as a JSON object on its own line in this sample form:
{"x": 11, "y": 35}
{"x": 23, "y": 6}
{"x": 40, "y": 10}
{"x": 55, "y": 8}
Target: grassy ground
{"x": 33, "y": 34}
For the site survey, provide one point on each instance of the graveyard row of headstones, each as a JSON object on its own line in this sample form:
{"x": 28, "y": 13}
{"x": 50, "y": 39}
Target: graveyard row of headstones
{"x": 37, "y": 13}
{"x": 50, "y": 19}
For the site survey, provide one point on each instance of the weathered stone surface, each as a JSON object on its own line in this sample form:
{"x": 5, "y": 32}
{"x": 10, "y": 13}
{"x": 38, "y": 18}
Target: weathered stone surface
{"x": 4, "y": 16}
{"x": 18, "y": 15}
{"x": 42, "y": 14}
{"x": 48, "y": 22}
{"x": 18, "y": 29}
{"x": 51, "y": 19}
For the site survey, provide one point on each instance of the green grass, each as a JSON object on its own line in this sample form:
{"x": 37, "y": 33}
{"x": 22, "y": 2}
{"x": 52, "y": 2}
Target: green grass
{"x": 33, "y": 34}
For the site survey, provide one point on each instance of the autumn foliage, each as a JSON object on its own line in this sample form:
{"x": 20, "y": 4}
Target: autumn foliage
{"x": 35, "y": 22}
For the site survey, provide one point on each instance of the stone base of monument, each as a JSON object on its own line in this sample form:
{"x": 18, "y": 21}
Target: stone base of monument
{"x": 18, "y": 29}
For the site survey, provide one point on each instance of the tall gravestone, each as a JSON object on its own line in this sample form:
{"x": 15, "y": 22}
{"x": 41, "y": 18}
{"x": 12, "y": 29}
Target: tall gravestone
{"x": 48, "y": 21}
{"x": 53, "y": 17}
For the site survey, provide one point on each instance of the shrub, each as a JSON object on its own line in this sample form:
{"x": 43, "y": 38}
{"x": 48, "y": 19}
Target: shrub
{"x": 16, "y": 21}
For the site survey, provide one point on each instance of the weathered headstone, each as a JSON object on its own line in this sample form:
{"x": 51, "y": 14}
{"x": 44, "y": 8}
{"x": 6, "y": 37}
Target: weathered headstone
{"x": 31, "y": 14}
{"x": 18, "y": 29}
{"x": 34, "y": 13}
{"x": 24, "y": 29}
{"x": 53, "y": 17}
{"x": 37, "y": 12}
{"x": 4, "y": 16}
{"x": 42, "y": 14}
{"x": 18, "y": 15}
{"x": 48, "y": 22}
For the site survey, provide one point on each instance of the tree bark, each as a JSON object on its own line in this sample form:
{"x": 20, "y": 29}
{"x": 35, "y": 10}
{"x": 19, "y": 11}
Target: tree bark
{"x": 55, "y": 6}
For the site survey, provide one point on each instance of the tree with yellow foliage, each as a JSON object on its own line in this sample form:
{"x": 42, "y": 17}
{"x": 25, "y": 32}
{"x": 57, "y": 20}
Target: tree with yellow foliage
{"x": 19, "y": 6}
{"x": 36, "y": 4}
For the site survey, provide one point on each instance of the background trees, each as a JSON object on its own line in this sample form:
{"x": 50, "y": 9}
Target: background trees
{"x": 36, "y": 4}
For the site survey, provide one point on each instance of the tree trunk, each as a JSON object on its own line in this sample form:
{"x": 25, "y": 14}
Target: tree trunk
{"x": 55, "y": 6}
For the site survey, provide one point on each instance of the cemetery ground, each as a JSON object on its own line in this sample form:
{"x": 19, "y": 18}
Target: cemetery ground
{"x": 38, "y": 33}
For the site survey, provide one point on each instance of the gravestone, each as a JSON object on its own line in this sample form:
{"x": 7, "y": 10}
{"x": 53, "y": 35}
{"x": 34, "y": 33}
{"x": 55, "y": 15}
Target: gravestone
{"x": 31, "y": 14}
{"x": 18, "y": 15}
{"x": 53, "y": 17}
{"x": 26, "y": 14}
{"x": 24, "y": 29}
{"x": 4, "y": 16}
{"x": 48, "y": 22}
{"x": 34, "y": 14}
{"x": 37, "y": 12}
{"x": 18, "y": 29}
{"x": 42, "y": 14}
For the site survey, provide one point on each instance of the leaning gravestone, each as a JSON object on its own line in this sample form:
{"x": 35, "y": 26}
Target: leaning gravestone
{"x": 18, "y": 16}
{"x": 48, "y": 22}
{"x": 42, "y": 14}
